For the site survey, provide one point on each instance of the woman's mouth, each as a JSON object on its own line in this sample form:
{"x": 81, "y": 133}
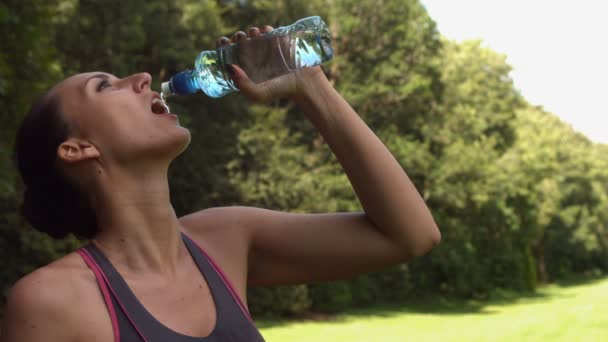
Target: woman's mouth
{"x": 159, "y": 107}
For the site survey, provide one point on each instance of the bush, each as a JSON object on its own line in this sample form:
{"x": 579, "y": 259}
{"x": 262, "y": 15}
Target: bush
{"x": 331, "y": 297}
{"x": 284, "y": 300}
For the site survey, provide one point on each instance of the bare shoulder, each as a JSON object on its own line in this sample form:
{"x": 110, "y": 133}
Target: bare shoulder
{"x": 217, "y": 224}
{"x": 214, "y": 218}
{"x": 44, "y": 302}
{"x": 51, "y": 286}
{"x": 225, "y": 229}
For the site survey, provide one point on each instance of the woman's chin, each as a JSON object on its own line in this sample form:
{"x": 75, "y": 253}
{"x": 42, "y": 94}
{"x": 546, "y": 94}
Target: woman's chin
{"x": 183, "y": 143}
{"x": 165, "y": 146}
{"x": 174, "y": 144}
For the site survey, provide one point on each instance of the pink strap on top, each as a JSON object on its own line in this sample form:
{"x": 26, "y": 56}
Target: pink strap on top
{"x": 226, "y": 281}
{"x": 105, "y": 284}
{"x": 104, "y": 291}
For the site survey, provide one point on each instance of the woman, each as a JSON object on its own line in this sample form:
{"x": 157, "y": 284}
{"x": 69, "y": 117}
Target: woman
{"x": 94, "y": 153}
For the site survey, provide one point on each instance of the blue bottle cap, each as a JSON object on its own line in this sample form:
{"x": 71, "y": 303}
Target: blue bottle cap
{"x": 181, "y": 85}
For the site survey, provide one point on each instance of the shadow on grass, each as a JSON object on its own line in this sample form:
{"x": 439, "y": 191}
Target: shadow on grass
{"x": 437, "y": 305}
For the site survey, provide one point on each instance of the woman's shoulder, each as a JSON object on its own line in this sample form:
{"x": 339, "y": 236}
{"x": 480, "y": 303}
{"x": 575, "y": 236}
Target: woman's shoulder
{"x": 52, "y": 294}
{"x": 61, "y": 280}
{"x": 218, "y": 219}
{"x": 214, "y": 225}
{"x": 211, "y": 217}
{"x": 69, "y": 269}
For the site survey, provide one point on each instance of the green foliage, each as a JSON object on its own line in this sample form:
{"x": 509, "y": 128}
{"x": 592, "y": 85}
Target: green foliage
{"x": 331, "y": 297}
{"x": 384, "y": 63}
{"x": 27, "y": 67}
{"x": 479, "y": 95}
{"x": 390, "y": 286}
{"x": 284, "y": 300}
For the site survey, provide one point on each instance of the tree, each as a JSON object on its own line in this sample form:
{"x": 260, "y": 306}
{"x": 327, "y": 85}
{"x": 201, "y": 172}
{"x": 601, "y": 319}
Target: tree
{"x": 27, "y": 68}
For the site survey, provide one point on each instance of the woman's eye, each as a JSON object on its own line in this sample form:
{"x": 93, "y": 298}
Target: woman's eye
{"x": 103, "y": 84}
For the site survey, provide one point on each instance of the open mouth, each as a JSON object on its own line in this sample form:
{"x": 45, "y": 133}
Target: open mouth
{"x": 159, "y": 107}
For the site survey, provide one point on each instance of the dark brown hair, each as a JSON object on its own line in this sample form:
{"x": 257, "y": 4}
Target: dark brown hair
{"x": 51, "y": 202}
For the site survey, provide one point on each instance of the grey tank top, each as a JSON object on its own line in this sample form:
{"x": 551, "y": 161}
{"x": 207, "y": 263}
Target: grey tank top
{"x": 131, "y": 321}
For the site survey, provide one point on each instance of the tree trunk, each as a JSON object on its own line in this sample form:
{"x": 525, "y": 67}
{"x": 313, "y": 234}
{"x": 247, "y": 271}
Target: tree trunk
{"x": 543, "y": 277}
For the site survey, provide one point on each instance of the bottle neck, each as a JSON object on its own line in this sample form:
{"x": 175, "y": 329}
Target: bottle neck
{"x": 181, "y": 84}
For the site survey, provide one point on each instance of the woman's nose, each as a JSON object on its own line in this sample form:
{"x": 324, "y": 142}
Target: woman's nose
{"x": 140, "y": 81}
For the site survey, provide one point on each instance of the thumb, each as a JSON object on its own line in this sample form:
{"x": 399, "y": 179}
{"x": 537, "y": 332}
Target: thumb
{"x": 260, "y": 92}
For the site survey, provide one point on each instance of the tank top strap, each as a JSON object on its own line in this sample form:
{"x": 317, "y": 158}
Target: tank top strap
{"x": 235, "y": 323}
{"x": 123, "y": 327}
{"x": 208, "y": 266}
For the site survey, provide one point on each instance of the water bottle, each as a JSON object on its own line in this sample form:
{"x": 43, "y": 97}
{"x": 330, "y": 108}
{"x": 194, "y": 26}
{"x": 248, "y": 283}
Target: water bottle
{"x": 305, "y": 43}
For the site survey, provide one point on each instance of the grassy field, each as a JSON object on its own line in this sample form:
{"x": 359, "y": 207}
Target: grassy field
{"x": 567, "y": 312}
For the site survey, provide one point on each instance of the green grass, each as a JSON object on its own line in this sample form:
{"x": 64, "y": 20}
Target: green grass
{"x": 566, "y": 312}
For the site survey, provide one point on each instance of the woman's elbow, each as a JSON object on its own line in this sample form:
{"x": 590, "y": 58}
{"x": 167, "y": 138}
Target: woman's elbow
{"x": 427, "y": 242}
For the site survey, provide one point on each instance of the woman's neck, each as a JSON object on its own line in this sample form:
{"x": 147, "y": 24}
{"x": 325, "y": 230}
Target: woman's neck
{"x": 138, "y": 227}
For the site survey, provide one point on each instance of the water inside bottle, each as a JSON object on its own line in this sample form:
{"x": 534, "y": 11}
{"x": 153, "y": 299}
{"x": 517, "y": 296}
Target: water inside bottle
{"x": 262, "y": 58}
{"x": 269, "y": 56}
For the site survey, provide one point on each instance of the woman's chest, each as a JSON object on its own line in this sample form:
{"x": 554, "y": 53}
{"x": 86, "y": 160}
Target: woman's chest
{"x": 186, "y": 307}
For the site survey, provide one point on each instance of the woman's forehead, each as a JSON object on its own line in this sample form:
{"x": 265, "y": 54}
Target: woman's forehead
{"x": 73, "y": 88}
{"x": 71, "y": 93}
{"x": 78, "y": 80}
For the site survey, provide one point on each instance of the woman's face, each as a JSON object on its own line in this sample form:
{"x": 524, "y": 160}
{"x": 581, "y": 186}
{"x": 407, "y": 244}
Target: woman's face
{"x": 116, "y": 116}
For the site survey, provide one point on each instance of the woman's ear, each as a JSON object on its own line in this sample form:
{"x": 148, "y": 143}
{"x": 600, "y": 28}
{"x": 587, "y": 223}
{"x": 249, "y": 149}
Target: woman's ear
{"x": 75, "y": 150}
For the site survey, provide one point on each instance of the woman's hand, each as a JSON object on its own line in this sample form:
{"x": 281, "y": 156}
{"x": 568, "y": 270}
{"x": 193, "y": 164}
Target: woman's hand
{"x": 292, "y": 85}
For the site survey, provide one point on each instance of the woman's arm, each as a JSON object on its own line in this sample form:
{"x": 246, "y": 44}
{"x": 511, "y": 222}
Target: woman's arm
{"x": 396, "y": 225}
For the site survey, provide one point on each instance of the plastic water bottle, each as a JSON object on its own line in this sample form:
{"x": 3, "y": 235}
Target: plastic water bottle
{"x": 305, "y": 43}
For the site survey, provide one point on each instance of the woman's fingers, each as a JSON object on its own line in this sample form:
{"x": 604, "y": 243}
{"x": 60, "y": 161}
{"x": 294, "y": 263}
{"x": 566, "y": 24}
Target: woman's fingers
{"x": 244, "y": 84}
{"x": 254, "y": 32}
{"x": 258, "y": 92}
{"x": 221, "y": 41}
{"x": 237, "y": 36}
{"x": 253, "y": 91}
{"x": 240, "y": 35}
{"x": 275, "y": 88}
{"x": 266, "y": 28}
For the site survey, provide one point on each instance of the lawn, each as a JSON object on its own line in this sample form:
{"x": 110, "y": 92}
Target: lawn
{"x": 567, "y": 312}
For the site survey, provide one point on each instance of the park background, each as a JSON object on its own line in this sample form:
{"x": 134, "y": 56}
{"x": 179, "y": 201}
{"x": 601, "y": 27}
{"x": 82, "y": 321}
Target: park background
{"x": 519, "y": 195}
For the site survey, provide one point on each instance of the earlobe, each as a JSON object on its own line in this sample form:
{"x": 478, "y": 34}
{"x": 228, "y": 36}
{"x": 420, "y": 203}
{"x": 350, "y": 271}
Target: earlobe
{"x": 74, "y": 150}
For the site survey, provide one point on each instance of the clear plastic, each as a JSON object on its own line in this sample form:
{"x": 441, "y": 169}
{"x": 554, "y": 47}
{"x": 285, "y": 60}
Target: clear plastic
{"x": 305, "y": 43}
